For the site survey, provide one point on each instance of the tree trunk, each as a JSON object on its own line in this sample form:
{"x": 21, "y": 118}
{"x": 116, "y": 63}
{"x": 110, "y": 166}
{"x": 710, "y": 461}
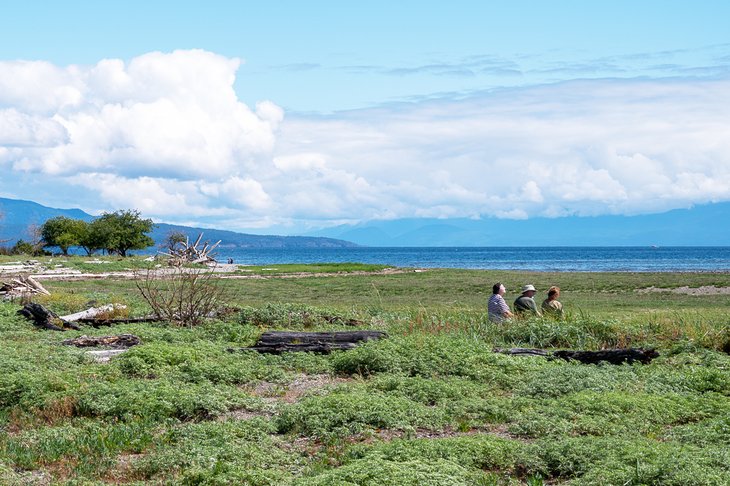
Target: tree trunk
{"x": 612, "y": 356}
{"x": 319, "y": 342}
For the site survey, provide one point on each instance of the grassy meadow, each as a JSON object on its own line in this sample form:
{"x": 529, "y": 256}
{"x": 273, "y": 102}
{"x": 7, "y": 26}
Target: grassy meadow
{"x": 430, "y": 405}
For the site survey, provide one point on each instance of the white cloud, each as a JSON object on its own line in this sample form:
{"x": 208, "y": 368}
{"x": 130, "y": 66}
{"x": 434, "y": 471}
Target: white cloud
{"x": 173, "y": 114}
{"x": 166, "y": 134}
{"x": 583, "y": 147}
{"x": 244, "y": 193}
{"x": 26, "y": 130}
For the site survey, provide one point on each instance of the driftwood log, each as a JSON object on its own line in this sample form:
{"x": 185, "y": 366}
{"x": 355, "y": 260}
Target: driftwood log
{"x": 612, "y": 356}
{"x": 22, "y": 286}
{"x": 45, "y": 318}
{"x": 92, "y": 312}
{"x": 119, "y": 341}
{"x": 319, "y": 342}
{"x": 48, "y": 319}
{"x": 188, "y": 253}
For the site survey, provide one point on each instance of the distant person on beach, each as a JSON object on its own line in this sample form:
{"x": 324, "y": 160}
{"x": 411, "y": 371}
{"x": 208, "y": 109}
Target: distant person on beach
{"x": 551, "y": 306}
{"x": 497, "y": 307}
{"x": 525, "y": 304}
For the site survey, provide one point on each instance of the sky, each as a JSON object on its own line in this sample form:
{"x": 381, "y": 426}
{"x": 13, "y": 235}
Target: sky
{"x": 288, "y": 116}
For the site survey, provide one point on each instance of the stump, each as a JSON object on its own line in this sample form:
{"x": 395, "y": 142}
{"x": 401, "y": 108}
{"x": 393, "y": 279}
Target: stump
{"x": 274, "y": 342}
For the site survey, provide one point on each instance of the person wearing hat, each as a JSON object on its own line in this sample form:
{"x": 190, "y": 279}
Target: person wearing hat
{"x": 525, "y": 304}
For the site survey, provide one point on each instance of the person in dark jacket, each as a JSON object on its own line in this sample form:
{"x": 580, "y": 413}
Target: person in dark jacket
{"x": 525, "y": 303}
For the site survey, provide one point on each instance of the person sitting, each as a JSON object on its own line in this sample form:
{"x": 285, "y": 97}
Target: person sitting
{"x": 496, "y": 306}
{"x": 525, "y": 304}
{"x": 551, "y": 306}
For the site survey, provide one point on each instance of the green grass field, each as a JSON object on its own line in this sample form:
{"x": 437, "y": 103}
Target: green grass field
{"x": 430, "y": 405}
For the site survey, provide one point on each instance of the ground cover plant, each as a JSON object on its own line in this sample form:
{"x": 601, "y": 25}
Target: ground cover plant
{"x": 432, "y": 404}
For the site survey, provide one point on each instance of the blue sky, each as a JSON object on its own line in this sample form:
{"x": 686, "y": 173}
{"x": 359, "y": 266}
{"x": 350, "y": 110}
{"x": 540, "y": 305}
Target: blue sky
{"x": 291, "y": 116}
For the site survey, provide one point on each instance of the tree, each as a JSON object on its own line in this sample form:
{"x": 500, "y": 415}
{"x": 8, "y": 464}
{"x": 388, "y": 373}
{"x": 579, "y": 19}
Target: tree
{"x": 121, "y": 231}
{"x": 63, "y": 232}
{"x": 93, "y": 238}
{"x": 23, "y": 247}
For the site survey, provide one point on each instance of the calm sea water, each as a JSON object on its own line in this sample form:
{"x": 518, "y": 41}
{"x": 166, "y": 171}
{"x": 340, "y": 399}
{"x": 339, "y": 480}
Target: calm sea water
{"x": 561, "y": 259}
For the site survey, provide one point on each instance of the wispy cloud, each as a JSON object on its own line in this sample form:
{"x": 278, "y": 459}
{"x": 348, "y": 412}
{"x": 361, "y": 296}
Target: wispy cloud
{"x": 299, "y": 67}
{"x": 551, "y": 66}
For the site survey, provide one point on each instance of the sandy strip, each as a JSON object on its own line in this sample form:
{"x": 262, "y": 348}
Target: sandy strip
{"x": 224, "y": 270}
{"x": 704, "y": 290}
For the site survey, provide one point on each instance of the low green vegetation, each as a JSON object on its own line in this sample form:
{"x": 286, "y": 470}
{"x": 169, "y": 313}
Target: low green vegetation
{"x": 433, "y": 404}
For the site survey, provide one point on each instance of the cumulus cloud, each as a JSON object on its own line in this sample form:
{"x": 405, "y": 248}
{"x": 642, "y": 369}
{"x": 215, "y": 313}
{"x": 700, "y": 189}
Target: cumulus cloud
{"x": 172, "y": 114}
{"x": 165, "y": 133}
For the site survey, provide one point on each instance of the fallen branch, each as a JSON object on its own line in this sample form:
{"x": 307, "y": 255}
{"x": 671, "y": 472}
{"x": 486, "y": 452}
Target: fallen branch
{"x": 319, "y": 342}
{"x": 612, "y": 356}
{"x": 98, "y": 322}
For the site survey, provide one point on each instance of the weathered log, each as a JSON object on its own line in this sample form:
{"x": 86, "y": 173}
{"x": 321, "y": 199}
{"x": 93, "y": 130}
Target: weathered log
{"x": 92, "y": 312}
{"x": 119, "y": 341}
{"x": 274, "y": 342}
{"x": 22, "y": 286}
{"x": 612, "y": 356}
{"x": 45, "y": 318}
{"x": 34, "y": 284}
{"x": 188, "y": 253}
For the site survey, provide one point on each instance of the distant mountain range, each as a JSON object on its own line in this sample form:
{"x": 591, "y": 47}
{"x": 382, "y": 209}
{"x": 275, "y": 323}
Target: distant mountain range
{"x": 703, "y": 225}
{"x": 17, "y": 215}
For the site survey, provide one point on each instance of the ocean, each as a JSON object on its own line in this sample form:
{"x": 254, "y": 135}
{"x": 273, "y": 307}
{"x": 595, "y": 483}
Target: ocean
{"x": 546, "y": 259}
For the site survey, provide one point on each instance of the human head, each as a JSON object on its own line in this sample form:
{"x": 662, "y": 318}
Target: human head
{"x": 498, "y": 288}
{"x": 528, "y": 290}
{"x": 553, "y": 292}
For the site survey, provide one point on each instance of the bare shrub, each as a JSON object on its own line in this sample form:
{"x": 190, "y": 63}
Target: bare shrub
{"x": 182, "y": 296}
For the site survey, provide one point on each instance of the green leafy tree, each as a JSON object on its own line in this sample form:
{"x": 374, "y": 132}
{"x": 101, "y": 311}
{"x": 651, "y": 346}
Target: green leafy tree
{"x": 62, "y": 232}
{"x": 93, "y": 239}
{"x": 121, "y": 231}
{"x": 23, "y": 247}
